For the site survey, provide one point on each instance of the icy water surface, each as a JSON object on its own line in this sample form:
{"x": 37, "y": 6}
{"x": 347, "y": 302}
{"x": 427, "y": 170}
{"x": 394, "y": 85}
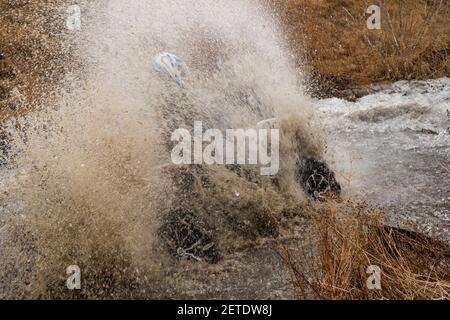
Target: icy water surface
{"x": 393, "y": 149}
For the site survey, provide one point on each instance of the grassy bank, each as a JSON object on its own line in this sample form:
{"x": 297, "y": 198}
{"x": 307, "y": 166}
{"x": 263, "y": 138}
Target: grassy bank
{"x": 345, "y": 239}
{"x": 336, "y": 49}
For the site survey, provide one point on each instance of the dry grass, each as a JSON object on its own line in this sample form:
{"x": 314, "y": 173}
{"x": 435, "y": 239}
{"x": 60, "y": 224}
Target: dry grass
{"x": 345, "y": 239}
{"x": 337, "y": 50}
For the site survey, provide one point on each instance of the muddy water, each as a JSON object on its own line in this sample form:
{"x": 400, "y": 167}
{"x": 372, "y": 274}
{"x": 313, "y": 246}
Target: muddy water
{"x": 83, "y": 185}
{"x": 391, "y": 149}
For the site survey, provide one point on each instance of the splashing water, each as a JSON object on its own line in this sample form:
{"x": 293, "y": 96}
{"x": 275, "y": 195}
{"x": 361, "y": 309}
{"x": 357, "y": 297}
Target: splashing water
{"x": 85, "y": 184}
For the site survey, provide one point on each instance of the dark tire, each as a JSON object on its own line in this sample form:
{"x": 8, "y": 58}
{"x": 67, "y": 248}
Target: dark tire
{"x": 186, "y": 236}
{"x": 317, "y": 179}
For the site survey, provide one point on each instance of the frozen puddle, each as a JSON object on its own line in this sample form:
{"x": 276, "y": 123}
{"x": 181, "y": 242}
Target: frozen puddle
{"x": 393, "y": 149}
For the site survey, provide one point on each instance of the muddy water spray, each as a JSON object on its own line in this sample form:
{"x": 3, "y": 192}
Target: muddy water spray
{"x": 85, "y": 186}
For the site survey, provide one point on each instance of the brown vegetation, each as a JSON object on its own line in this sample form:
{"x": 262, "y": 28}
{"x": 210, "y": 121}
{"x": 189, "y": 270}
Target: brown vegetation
{"x": 337, "y": 50}
{"x": 345, "y": 239}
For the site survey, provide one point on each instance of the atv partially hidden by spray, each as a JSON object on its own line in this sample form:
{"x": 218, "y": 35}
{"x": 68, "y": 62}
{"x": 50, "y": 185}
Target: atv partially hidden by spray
{"x": 183, "y": 231}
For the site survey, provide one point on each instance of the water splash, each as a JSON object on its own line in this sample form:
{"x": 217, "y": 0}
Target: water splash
{"x": 85, "y": 187}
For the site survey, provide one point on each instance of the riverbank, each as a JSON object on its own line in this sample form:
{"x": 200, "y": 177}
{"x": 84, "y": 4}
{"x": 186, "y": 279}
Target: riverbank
{"x": 341, "y": 56}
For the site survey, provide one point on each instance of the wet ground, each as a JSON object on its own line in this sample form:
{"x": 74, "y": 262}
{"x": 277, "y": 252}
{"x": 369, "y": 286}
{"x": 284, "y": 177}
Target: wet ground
{"x": 253, "y": 273}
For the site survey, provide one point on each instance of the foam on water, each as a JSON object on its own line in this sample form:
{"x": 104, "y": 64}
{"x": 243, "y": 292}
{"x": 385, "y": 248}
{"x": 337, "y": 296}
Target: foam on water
{"x": 393, "y": 149}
